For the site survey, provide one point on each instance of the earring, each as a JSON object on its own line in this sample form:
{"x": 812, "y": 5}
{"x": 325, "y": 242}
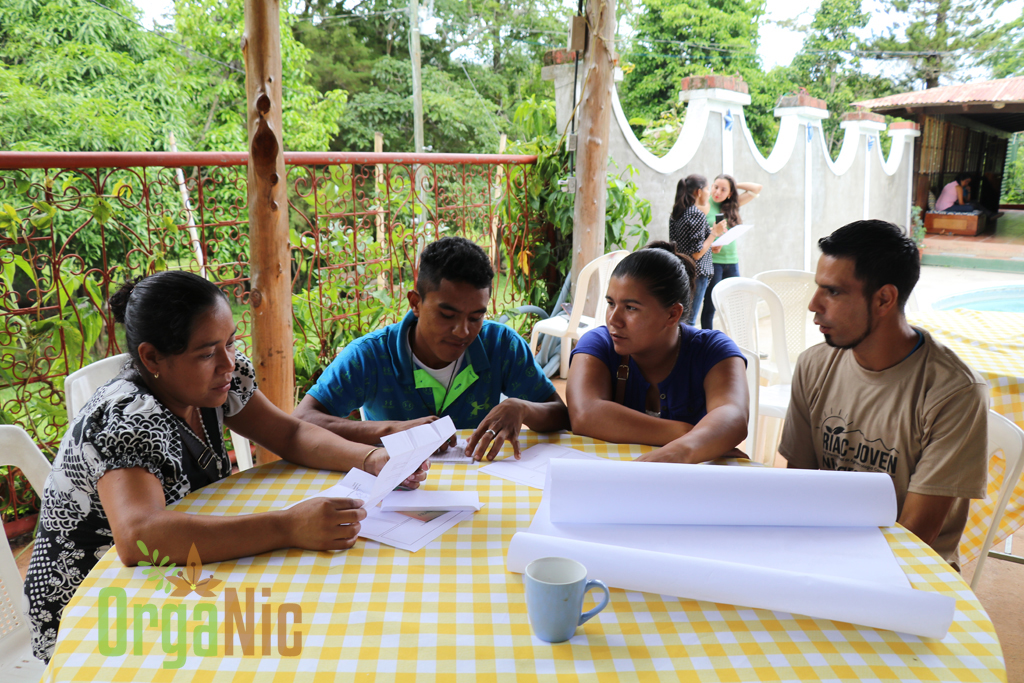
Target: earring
{"x": 156, "y": 375}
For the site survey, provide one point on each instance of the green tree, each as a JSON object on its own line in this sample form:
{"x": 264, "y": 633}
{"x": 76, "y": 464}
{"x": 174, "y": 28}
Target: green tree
{"x": 482, "y": 57}
{"x": 1013, "y": 180}
{"x": 1007, "y": 59}
{"x": 212, "y": 30}
{"x": 940, "y": 36}
{"x": 75, "y": 77}
{"x": 455, "y": 117}
{"x": 829, "y": 67}
{"x": 677, "y": 38}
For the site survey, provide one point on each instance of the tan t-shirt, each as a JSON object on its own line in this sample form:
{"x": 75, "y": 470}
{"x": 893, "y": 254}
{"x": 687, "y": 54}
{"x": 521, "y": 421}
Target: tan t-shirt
{"x": 923, "y": 421}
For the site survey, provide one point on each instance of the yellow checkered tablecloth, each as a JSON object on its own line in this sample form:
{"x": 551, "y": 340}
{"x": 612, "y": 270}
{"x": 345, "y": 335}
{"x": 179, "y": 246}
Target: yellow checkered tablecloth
{"x": 451, "y": 612}
{"x": 992, "y": 343}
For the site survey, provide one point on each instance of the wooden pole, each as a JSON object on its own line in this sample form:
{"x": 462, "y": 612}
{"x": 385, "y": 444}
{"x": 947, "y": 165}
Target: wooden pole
{"x": 193, "y": 234}
{"x": 269, "y": 257}
{"x": 499, "y": 176}
{"x": 417, "y": 80}
{"x": 595, "y": 121}
{"x": 379, "y": 194}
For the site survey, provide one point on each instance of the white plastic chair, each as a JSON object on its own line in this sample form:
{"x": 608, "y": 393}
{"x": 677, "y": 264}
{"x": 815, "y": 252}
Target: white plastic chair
{"x": 17, "y": 664}
{"x": 736, "y": 298}
{"x": 1005, "y": 436}
{"x": 82, "y": 384}
{"x": 570, "y": 329}
{"x": 754, "y": 389}
{"x": 795, "y": 289}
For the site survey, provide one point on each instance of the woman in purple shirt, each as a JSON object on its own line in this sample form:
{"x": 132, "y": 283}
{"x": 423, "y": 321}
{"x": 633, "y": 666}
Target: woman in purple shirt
{"x": 647, "y": 377}
{"x": 956, "y": 196}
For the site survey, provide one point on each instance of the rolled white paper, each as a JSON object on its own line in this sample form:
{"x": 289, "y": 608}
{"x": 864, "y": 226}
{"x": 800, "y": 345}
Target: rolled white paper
{"x": 876, "y": 605}
{"x": 616, "y": 492}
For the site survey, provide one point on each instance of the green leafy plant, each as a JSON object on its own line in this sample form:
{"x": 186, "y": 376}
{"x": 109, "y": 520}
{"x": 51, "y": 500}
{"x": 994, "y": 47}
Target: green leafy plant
{"x": 547, "y": 258}
{"x": 917, "y": 229}
{"x": 660, "y": 134}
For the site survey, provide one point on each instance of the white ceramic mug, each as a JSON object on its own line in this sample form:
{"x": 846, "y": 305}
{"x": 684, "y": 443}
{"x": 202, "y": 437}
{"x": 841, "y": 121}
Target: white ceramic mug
{"x": 555, "y": 587}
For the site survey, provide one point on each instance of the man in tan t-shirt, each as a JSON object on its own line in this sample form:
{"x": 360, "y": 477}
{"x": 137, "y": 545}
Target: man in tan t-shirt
{"x": 882, "y": 396}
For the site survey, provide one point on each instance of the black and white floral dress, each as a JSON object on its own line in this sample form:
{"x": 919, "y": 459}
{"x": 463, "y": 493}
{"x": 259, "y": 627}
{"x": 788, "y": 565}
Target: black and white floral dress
{"x": 122, "y": 426}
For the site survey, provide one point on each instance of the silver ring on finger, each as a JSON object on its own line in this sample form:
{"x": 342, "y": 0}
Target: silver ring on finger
{"x": 491, "y": 432}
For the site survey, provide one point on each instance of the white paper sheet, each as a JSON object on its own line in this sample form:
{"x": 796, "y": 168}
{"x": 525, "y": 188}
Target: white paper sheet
{"x": 865, "y": 603}
{"x": 406, "y": 533}
{"x": 532, "y": 467}
{"x": 666, "y": 493}
{"x": 735, "y": 535}
{"x": 733, "y": 234}
{"x": 858, "y": 553}
{"x": 407, "y": 450}
{"x": 456, "y": 454}
{"x": 403, "y": 530}
{"x": 408, "y": 501}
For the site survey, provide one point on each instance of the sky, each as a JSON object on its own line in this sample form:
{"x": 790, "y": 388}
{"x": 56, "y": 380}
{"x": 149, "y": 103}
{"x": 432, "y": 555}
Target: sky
{"x": 778, "y": 45}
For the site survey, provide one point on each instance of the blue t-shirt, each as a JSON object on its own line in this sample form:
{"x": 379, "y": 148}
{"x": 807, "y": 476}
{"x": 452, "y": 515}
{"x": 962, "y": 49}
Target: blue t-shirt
{"x": 682, "y": 392}
{"x": 376, "y": 372}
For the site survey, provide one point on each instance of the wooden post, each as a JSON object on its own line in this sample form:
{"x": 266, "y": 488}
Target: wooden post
{"x": 499, "y": 176}
{"x": 269, "y": 257}
{"x": 193, "y": 234}
{"x": 417, "y": 80}
{"x": 595, "y": 121}
{"x": 379, "y": 192}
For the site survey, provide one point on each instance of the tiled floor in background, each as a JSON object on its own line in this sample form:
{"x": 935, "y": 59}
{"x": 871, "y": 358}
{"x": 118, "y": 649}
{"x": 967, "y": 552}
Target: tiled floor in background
{"x": 1005, "y": 242}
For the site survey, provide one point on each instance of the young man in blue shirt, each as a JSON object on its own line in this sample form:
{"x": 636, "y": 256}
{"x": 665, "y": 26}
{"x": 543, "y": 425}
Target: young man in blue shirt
{"x": 443, "y": 358}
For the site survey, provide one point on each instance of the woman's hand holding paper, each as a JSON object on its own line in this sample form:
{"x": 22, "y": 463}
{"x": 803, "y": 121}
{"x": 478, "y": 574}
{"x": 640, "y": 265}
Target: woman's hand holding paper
{"x": 375, "y": 463}
{"x": 324, "y": 523}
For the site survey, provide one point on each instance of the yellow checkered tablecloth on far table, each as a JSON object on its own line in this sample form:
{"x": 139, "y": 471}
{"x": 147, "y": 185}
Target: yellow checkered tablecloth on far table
{"x": 452, "y": 612}
{"x": 992, "y": 343}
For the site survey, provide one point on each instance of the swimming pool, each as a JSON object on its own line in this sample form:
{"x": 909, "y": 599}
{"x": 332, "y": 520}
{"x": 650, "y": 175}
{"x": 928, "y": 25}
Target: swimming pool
{"x": 1006, "y": 298}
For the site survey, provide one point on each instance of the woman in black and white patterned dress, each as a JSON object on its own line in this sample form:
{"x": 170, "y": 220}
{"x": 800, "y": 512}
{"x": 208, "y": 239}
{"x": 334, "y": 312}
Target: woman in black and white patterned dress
{"x": 153, "y": 434}
{"x": 688, "y": 228}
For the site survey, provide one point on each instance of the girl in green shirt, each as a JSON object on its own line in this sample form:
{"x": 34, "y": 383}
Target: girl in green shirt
{"x": 727, "y": 196}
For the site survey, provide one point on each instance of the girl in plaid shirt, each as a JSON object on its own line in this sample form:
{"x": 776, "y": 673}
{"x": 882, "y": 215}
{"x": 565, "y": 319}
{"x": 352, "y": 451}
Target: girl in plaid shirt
{"x": 688, "y": 228}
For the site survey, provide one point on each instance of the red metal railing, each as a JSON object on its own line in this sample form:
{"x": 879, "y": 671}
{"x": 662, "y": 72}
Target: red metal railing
{"x": 75, "y": 225}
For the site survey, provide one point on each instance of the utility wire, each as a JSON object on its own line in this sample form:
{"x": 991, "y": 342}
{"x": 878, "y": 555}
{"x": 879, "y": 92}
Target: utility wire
{"x": 490, "y": 114}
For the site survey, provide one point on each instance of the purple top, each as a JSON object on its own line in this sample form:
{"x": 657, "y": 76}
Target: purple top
{"x": 947, "y": 197}
{"x": 682, "y": 392}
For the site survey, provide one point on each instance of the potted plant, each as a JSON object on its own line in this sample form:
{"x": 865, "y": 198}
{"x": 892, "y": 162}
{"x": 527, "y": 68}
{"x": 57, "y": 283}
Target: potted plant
{"x": 917, "y": 231}
{"x": 19, "y": 504}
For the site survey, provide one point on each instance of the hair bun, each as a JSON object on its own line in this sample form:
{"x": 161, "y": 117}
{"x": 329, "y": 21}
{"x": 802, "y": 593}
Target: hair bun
{"x": 670, "y": 247}
{"x": 119, "y": 300}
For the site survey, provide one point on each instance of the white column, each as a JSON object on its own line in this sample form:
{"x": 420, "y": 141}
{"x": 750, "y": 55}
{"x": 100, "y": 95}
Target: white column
{"x": 729, "y": 105}
{"x": 868, "y": 132}
{"x": 811, "y": 118}
{"x": 905, "y": 136}
{"x": 729, "y": 123}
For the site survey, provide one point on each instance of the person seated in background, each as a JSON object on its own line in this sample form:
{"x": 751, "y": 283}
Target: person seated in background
{"x": 153, "y": 434}
{"x": 443, "y": 358}
{"x": 647, "y": 377}
{"x": 882, "y": 396}
{"x": 956, "y": 198}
